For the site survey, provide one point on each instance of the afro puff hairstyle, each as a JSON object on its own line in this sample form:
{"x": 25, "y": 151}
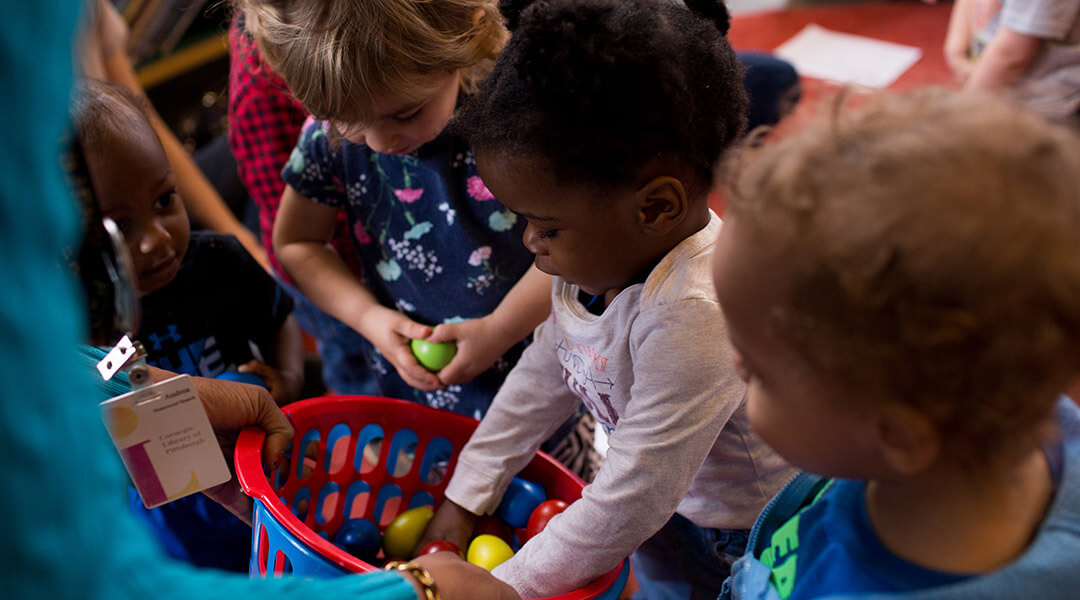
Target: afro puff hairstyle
{"x": 600, "y": 88}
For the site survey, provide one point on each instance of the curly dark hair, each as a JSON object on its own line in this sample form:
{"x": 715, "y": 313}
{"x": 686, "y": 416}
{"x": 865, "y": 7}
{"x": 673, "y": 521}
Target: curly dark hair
{"x": 599, "y": 88}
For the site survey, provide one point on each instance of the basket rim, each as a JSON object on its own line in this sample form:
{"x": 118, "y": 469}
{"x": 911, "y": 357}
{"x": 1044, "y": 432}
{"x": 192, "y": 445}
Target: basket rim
{"x": 254, "y": 482}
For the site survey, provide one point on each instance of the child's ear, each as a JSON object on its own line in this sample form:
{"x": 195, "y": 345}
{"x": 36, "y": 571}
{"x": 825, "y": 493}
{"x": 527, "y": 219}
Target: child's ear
{"x": 662, "y": 204}
{"x": 908, "y": 440}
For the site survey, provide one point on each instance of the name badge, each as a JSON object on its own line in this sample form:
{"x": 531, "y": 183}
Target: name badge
{"x": 165, "y": 440}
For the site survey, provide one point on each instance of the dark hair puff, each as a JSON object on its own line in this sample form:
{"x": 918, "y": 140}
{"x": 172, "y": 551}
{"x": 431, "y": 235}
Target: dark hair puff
{"x": 599, "y": 88}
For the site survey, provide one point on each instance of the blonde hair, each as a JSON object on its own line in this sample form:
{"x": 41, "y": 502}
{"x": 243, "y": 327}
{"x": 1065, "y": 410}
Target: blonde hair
{"x": 337, "y": 56}
{"x": 929, "y": 246}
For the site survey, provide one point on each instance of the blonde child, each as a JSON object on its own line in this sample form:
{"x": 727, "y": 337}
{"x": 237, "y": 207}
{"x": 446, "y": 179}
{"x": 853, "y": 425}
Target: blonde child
{"x": 902, "y": 286}
{"x": 205, "y": 302}
{"x": 599, "y": 126}
{"x": 435, "y": 247}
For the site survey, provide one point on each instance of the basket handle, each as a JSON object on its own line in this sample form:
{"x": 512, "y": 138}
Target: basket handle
{"x": 247, "y": 458}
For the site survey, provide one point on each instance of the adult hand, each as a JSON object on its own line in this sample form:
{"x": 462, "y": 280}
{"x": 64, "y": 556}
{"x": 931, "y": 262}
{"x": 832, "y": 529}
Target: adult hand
{"x": 457, "y": 579}
{"x": 390, "y": 331}
{"x": 231, "y": 406}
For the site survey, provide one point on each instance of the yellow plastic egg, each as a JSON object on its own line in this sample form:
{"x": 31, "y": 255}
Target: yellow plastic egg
{"x": 488, "y": 551}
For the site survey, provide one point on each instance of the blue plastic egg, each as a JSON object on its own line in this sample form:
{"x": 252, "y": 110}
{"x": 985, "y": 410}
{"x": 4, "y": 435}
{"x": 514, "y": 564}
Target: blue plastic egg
{"x": 520, "y": 500}
{"x": 359, "y": 537}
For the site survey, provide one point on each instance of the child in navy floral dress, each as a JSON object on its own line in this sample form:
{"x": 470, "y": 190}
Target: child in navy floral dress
{"x": 441, "y": 258}
{"x": 433, "y": 243}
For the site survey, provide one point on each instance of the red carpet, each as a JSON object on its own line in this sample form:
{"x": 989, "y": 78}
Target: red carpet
{"x": 908, "y": 22}
{"x": 901, "y": 21}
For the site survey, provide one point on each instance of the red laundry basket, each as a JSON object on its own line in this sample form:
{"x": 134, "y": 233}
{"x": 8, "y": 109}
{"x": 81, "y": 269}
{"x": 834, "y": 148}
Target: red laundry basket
{"x": 372, "y": 458}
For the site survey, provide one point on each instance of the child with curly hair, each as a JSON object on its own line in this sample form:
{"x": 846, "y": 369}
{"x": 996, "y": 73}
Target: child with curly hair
{"x": 600, "y": 126}
{"x": 902, "y": 287}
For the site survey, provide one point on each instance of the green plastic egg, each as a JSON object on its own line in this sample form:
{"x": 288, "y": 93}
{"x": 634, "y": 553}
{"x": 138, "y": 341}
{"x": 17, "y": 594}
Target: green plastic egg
{"x": 433, "y": 355}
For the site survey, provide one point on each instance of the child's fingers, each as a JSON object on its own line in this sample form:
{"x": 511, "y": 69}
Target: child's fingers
{"x": 268, "y": 374}
{"x": 257, "y": 367}
{"x": 411, "y": 371}
{"x": 411, "y": 330}
{"x": 426, "y": 382}
{"x": 450, "y": 522}
{"x": 460, "y": 370}
{"x": 444, "y": 332}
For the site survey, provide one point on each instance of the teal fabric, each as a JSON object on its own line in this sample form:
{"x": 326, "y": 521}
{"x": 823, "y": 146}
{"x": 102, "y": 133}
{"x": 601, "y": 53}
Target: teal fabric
{"x": 90, "y": 356}
{"x": 64, "y": 528}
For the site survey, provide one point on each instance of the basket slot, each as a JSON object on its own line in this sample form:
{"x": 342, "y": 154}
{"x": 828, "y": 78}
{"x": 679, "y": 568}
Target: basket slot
{"x": 337, "y": 449}
{"x": 282, "y": 565}
{"x": 327, "y": 507}
{"x": 436, "y": 461}
{"x": 356, "y": 501}
{"x": 368, "y": 447}
{"x": 301, "y": 503}
{"x": 309, "y": 450}
{"x": 281, "y": 477}
{"x": 387, "y": 504}
{"x": 262, "y": 548}
{"x": 422, "y": 498}
{"x": 400, "y": 458}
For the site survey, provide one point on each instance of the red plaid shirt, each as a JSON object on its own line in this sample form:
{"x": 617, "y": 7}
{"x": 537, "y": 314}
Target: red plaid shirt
{"x": 264, "y": 123}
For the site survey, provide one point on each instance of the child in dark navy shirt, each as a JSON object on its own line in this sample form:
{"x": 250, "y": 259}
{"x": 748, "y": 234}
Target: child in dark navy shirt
{"x": 208, "y": 307}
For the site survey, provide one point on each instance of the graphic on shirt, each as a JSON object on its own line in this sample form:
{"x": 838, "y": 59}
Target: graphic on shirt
{"x": 157, "y": 341}
{"x": 200, "y": 357}
{"x": 583, "y": 373}
{"x": 414, "y": 255}
{"x": 409, "y": 196}
{"x": 782, "y": 557}
{"x": 782, "y": 554}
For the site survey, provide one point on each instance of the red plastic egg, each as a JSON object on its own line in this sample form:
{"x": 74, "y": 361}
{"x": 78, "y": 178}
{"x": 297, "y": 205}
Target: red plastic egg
{"x": 539, "y": 518}
{"x": 441, "y": 546}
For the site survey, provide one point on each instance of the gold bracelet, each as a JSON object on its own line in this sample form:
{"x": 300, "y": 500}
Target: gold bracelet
{"x": 419, "y": 573}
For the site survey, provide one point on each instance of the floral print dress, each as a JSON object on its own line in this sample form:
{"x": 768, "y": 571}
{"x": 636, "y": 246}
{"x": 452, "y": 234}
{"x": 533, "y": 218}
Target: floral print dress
{"x": 432, "y": 241}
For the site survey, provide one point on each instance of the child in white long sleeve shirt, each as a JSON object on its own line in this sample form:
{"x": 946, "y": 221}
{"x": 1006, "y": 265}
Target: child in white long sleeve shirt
{"x": 618, "y": 212}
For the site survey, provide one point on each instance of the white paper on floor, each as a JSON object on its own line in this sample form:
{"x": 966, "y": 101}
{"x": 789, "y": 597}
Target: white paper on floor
{"x": 847, "y": 58}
